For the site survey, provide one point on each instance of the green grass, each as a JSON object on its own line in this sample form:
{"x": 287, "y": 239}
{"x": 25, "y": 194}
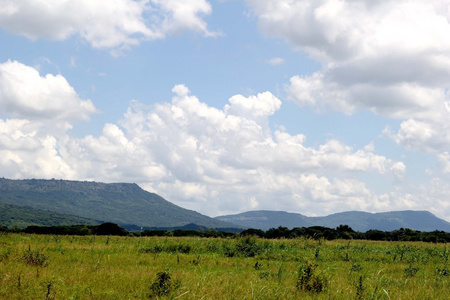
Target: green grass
{"x": 102, "y": 267}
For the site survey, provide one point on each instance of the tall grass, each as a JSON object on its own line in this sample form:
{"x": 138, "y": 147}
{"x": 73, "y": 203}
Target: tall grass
{"x": 95, "y": 267}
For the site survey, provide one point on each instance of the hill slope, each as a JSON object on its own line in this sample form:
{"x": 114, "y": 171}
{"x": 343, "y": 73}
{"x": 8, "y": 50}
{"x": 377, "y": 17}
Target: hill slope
{"x": 359, "y": 221}
{"x": 122, "y": 203}
{"x": 21, "y": 217}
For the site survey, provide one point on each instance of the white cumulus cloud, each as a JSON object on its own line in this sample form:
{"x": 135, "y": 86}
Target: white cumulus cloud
{"x": 225, "y": 159}
{"x": 179, "y": 15}
{"x": 25, "y": 93}
{"x": 28, "y": 151}
{"x": 104, "y": 23}
{"x": 38, "y": 111}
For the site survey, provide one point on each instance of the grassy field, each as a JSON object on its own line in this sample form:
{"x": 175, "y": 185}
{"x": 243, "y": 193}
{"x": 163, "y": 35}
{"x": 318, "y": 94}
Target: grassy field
{"x": 102, "y": 267}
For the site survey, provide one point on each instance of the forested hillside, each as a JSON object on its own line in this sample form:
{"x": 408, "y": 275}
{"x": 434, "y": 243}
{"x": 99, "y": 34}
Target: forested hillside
{"x": 121, "y": 203}
{"x": 13, "y": 216}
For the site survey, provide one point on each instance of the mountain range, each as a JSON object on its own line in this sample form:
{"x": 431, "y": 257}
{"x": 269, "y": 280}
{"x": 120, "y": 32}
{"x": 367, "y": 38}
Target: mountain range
{"x": 357, "y": 220}
{"x": 63, "y": 202}
{"x": 25, "y": 202}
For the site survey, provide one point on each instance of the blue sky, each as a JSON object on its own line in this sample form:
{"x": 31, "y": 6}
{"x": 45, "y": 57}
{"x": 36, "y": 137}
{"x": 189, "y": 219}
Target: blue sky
{"x": 313, "y": 107}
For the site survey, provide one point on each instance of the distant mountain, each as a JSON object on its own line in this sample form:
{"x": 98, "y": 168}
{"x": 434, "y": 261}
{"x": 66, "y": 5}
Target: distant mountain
{"x": 264, "y": 219}
{"x": 359, "y": 221}
{"x": 121, "y": 203}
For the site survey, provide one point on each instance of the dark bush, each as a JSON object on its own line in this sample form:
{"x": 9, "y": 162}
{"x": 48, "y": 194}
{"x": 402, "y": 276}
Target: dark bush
{"x": 110, "y": 229}
{"x": 308, "y": 281}
{"x": 35, "y": 258}
{"x": 253, "y": 232}
{"x": 248, "y": 247}
{"x": 277, "y": 233}
{"x": 163, "y": 285}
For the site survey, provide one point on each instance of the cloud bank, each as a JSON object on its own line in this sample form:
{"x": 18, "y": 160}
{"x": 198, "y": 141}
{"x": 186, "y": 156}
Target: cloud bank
{"x": 389, "y": 57}
{"x": 214, "y": 160}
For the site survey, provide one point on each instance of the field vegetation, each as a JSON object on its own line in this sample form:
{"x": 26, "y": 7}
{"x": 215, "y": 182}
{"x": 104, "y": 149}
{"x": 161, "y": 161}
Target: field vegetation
{"x": 36, "y": 266}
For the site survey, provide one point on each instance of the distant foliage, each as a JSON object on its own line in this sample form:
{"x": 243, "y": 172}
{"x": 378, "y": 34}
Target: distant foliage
{"x": 103, "y": 229}
{"x": 247, "y": 247}
{"x": 253, "y": 232}
{"x": 109, "y": 229}
{"x": 346, "y": 232}
{"x": 187, "y": 232}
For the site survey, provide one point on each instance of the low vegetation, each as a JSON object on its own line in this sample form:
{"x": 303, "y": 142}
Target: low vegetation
{"x": 35, "y": 266}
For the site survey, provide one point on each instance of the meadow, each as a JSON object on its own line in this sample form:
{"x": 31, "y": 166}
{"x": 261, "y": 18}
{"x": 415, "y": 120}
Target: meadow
{"x": 114, "y": 267}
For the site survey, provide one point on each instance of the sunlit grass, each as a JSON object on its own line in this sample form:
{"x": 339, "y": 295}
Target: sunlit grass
{"x": 101, "y": 267}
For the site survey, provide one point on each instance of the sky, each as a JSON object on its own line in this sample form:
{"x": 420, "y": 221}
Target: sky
{"x": 225, "y": 106}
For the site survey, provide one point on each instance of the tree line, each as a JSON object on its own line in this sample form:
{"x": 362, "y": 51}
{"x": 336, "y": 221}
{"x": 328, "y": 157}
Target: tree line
{"x": 314, "y": 232}
{"x": 346, "y": 232}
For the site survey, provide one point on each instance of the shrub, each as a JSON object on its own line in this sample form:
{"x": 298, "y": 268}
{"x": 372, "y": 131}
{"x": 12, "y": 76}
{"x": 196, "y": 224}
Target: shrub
{"x": 154, "y": 249}
{"x": 410, "y": 271}
{"x": 179, "y": 248}
{"x": 35, "y": 258}
{"x": 229, "y": 250}
{"x": 248, "y": 247}
{"x": 309, "y": 281}
{"x": 171, "y": 248}
{"x": 163, "y": 285}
